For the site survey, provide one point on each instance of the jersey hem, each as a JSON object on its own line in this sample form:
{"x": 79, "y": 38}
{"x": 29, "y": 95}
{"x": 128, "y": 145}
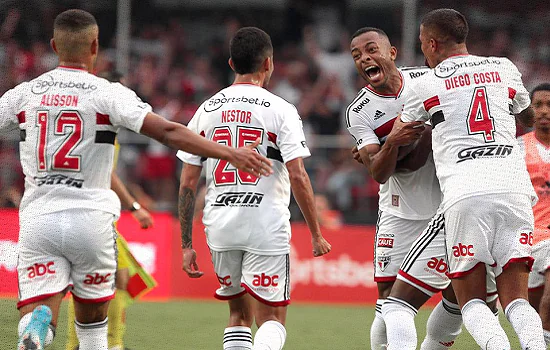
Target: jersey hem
{"x": 250, "y": 250}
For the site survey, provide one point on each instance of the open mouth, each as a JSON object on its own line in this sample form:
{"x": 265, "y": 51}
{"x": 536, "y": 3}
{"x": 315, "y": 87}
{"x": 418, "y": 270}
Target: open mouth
{"x": 373, "y": 72}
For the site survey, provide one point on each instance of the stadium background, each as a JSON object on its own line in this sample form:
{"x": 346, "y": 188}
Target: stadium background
{"x": 174, "y": 55}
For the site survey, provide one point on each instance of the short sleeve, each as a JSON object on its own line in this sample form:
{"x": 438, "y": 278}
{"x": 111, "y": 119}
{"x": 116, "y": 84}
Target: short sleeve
{"x": 291, "y": 139}
{"x": 189, "y": 158}
{"x": 361, "y": 129}
{"x": 8, "y": 112}
{"x": 517, "y": 93}
{"x": 123, "y": 106}
{"x": 414, "y": 108}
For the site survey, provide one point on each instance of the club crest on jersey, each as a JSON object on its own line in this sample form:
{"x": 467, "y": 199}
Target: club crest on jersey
{"x": 490, "y": 151}
{"x": 395, "y": 200}
{"x": 383, "y": 262}
{"x": 238, "y": 199}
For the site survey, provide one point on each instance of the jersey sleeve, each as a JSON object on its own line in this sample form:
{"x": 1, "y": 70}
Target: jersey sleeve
{"x": 518, "y": 94}
{"x": 189, "y": 158}
{"x": 414, "y": 108}
{"x": 291, "y": 139}
{"x": 361, "y": 129}
{"x": 8, "y": 112}
{"x": 123, "y": 106}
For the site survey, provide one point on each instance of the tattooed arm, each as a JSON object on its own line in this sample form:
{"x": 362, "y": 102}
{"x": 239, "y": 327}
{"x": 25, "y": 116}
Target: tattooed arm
{"x": 190, "y": 176}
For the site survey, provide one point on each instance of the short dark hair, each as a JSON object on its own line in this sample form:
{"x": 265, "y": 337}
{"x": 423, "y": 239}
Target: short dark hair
{"x": 448, "y": 23}
{"x": 368, "y": 29}
{"x": 74, "y": 20}
{"x": 248, "y": 48}
{"x": 540, "y": 87}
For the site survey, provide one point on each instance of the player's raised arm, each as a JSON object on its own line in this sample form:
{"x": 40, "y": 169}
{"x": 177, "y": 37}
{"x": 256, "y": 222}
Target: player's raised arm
{"x": 179, "y": 137}
{"x": 303, "y": 193}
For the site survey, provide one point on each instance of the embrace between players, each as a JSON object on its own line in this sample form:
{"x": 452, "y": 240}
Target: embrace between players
{"x": 259, "y": 159}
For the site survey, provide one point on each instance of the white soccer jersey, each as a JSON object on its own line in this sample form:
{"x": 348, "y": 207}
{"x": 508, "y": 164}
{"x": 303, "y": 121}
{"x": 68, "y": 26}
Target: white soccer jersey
{"x": 243, "y": 212}
{"x": 471, "y": 101}
{"x": 370, "y": 117}
{"x": 68, "y": 120}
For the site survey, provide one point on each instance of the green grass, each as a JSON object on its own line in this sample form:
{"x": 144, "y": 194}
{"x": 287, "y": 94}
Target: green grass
{"x": 196, "y": 325}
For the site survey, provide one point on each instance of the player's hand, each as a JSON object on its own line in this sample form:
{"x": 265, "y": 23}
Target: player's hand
{"x": 320, "y": 246}
{"x": 143, "y": 217}
{"x": 249, "y": 160}
{"x": 190, "y": 263}
{"x": 356, "y": 155}
{"x": 405, "y": 133}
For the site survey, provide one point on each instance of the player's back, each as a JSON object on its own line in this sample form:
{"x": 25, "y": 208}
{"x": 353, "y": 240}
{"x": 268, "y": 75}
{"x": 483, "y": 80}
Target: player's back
{"x": 241, "y": 210}
{"x": 68, "y": 128}
{"x": 471, "y": 100}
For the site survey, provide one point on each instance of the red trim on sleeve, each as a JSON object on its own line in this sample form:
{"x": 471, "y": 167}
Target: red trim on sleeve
{"x": 263, "y": 301}
{"x": 384, "y": 129}
{"x": 230, "y": 297}
{"x": 511, "y": 93}
{"x": 21, "y": 117}
{"x": 93, "y": 301}
{"x": 418, "y": 282}
{"x": 102, "y": 119}
{"x": 272, "y": 137}
{"x": 385, "y": 279}
{"x": 202, "y": 134}
{"x": 463, "y": 273}
{"x": 431, "y": 103}
{"x": 529, "y": 260}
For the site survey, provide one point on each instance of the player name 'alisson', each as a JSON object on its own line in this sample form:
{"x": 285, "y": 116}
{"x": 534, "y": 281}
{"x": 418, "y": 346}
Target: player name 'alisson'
{"x": 476, "y": 78}
{"x": 236, "y": 115}
{"x": 59, "y": 100}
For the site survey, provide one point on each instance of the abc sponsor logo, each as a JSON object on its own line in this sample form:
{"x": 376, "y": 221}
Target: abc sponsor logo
{"x": 38, "y": 270}
{"x": 225, "y": 280}
{"x": 463, "y": 250}
{"x": 264, "y": 280}
{"x": 438, "y": 265}
{"x": 97, "y": 279}
{"x": 526, "y": 238}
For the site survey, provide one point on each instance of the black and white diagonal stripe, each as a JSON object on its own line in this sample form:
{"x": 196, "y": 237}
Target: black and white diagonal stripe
{"x": 435, "y": 227}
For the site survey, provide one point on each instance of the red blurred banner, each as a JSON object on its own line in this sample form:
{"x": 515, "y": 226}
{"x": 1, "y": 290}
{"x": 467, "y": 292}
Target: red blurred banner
{"x": 343, "y": 276}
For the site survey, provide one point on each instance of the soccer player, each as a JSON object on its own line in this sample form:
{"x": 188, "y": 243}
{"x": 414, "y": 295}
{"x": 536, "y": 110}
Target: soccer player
{"x": 68, "y": 120}
{"x": 536, "y": 146}
{"x": 409, "y": 190}
{"x": 487, "y": 193}
{"x": 246, "y": 217}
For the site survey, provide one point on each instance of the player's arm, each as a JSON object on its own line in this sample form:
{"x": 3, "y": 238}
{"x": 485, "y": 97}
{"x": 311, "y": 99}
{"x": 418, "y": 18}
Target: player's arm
{"x": 190, "y": 175}
{"x": 303, "y": 193}
{"x": 418, "y": 156}
{"x": 381, "y": 161}
{"x": 179, "y": 137}
{"x": 138, "y": 212}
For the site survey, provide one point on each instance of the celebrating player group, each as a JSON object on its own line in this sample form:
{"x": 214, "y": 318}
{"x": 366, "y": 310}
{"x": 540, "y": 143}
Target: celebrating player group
{"x": 457, "y": 189}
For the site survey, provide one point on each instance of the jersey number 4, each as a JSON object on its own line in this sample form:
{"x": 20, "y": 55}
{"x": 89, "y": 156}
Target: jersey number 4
{"x": 222, "y": 175}
{"x": 68, "y": 124}
{"x": 479, "y": 119}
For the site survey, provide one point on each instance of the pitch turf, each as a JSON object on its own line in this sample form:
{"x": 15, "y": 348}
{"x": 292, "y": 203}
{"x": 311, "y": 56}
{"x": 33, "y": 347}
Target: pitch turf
{"x": 196, "y": 325}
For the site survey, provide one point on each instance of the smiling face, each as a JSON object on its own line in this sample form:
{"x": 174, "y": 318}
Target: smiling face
{"x": 541, "y": 106}
{"x": 374, "y": 58}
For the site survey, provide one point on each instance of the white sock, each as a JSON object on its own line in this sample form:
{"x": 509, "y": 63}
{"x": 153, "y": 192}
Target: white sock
{"x": 526, "y": 323}
{"x": 92, "y": 336}
{"x": 270, "y": 336}
{"x": 378, "y": 339}
{"x": 444, "y": 325}
{"x": 546, "y": 336}
{"x": 483, "y": 326}
{"x": 399, "y": 317}
{"x": 26, "y": 319}
{"x": 237, "y": 338}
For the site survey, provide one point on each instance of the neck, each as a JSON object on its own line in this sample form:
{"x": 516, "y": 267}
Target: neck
{"x": 455, "y": 50}
{"x": 393, "y": 84}
{"x": 78, "y": 65}
{"x": 253, "y": 78}
{"x": 543, "y": 136}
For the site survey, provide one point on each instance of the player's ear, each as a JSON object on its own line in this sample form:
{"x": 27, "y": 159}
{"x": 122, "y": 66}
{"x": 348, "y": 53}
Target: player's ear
{"x": 267, "y": 64}
{"x": 230, "y": 61}
{"x": 94, "y": 48}
{"x": 393, "y": 53}
{"x": 52, "y": 44}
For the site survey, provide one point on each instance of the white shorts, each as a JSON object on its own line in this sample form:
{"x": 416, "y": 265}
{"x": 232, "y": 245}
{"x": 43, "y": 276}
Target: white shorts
{"x": 541, "y": 254}
{"x": 490, "y": 229}
{"x": 425, "y": 266}
{"x": 265, "y": 277}
{"x": 394, "y": 237}
{"x": 75, "y": 248}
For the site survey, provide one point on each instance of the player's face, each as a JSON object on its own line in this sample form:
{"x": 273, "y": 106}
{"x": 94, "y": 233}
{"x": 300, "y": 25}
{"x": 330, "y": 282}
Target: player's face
{"x": 427, "y": 46}
{"x": 374, "y": 58}
{"x": 541, "y": 106}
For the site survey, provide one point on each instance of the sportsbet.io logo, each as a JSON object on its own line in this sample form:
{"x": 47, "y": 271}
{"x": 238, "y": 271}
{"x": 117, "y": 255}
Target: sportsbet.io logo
{"x": 238, "y": 199}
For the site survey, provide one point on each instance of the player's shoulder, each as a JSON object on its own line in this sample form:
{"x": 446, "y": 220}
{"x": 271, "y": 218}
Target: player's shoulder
{"x": 357, "y": 107}
{"x": 414, "y": 72}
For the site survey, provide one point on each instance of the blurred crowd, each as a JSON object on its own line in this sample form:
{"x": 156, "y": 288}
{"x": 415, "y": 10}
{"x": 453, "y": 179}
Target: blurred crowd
{"x": 179, "y": 59}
